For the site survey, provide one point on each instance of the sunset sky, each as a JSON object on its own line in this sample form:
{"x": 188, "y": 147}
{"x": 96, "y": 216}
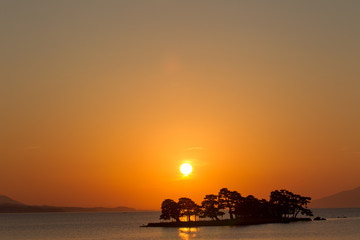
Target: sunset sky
{"x": 102, "y": 101}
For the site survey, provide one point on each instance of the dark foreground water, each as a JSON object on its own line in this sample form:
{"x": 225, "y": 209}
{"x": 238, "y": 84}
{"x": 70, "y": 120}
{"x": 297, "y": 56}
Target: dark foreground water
{"x": 96, "y": 226}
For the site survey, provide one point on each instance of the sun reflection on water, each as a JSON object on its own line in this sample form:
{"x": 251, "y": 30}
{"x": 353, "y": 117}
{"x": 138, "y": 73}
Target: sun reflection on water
{"x": 187, "y": 233}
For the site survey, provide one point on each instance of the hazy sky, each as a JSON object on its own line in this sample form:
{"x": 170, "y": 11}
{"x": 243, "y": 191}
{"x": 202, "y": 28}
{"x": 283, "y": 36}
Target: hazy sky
{"x": 101, "y": 101}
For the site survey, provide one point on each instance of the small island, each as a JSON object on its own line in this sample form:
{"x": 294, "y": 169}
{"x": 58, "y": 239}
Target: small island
{"x": 283, "y": 207}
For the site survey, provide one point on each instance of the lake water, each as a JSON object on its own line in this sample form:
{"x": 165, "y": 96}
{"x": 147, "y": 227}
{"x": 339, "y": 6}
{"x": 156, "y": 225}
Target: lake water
{"x": 103, "y": 226}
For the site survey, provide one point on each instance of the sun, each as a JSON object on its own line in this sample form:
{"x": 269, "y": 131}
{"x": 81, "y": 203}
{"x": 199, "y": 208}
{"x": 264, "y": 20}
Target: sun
{"x": 186, "y": 168}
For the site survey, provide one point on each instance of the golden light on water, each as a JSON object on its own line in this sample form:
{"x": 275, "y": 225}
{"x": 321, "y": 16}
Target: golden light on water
{"x": 187, "y": 233}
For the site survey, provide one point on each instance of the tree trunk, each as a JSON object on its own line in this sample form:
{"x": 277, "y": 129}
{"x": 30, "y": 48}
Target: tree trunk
{"x": 231, "y": 215}
{"x": 296, "y": 213}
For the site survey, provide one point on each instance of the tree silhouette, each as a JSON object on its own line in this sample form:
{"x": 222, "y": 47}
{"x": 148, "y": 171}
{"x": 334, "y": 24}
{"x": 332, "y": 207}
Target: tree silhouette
{"x": 282, "y": 204}
{"x": 210, "y": 207}
{"x": 247, "y": 207}
{"x": 285, "y": 204}
{"x": 197, "y": 210}
{"x": 280, "y": 201}
{"x": 188, "y": 208}
{"x": 170, "y": 209}
{"x": 301, "y": 206}
{"x": 228, "y": 199}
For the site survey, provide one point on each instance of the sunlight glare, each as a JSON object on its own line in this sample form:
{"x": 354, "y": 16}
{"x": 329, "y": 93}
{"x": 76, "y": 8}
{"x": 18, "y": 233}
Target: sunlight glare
{"x": 186, "y": 168}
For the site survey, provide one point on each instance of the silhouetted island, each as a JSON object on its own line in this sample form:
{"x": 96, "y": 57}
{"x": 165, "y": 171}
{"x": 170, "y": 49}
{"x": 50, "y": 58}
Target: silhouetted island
{"x": 283, "y": 207}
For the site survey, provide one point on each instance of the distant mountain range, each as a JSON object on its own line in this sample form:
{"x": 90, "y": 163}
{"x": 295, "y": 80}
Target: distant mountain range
{"x": 345, "y": 199}
{"x": 8, "y": 205}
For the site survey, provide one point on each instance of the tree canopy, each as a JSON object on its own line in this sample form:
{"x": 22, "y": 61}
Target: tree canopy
{"x": 286, "y": 203}
{"x": 229, "y": 199}
{"x": 170, "y": 209}
{"x": 210, "y": 207}
{"x": 188, "y": 207}
{"x": 282, "y": 204}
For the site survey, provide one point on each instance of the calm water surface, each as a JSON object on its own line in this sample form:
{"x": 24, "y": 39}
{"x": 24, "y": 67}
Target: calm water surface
{"x": 96, "y": 226}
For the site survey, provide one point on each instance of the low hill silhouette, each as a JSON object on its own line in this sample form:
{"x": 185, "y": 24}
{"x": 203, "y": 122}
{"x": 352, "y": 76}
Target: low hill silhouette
{"x": 345, "y": 199}
{"x": 5, "y": 200}
{"x": 8, "y": 205}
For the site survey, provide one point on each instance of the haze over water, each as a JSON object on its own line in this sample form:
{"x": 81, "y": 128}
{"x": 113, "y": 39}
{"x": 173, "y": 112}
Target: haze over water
{"x": 117, "y": 226}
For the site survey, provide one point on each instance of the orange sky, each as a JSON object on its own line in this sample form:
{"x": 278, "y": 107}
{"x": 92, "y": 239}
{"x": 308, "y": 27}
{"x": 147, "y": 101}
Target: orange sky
{"x": 101, "y": 101}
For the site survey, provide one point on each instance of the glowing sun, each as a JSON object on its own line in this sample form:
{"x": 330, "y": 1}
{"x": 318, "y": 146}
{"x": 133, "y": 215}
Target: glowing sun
{"x": 186, "y": 168}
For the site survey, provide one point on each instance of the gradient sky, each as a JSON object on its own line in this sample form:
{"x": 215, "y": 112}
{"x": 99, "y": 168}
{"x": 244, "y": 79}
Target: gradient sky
{"x": 101, "y": 101}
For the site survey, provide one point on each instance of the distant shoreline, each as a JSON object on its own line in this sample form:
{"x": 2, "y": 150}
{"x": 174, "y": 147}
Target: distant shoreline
{"x": 17, "y": 208}
{"x": 227, "y": 222}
